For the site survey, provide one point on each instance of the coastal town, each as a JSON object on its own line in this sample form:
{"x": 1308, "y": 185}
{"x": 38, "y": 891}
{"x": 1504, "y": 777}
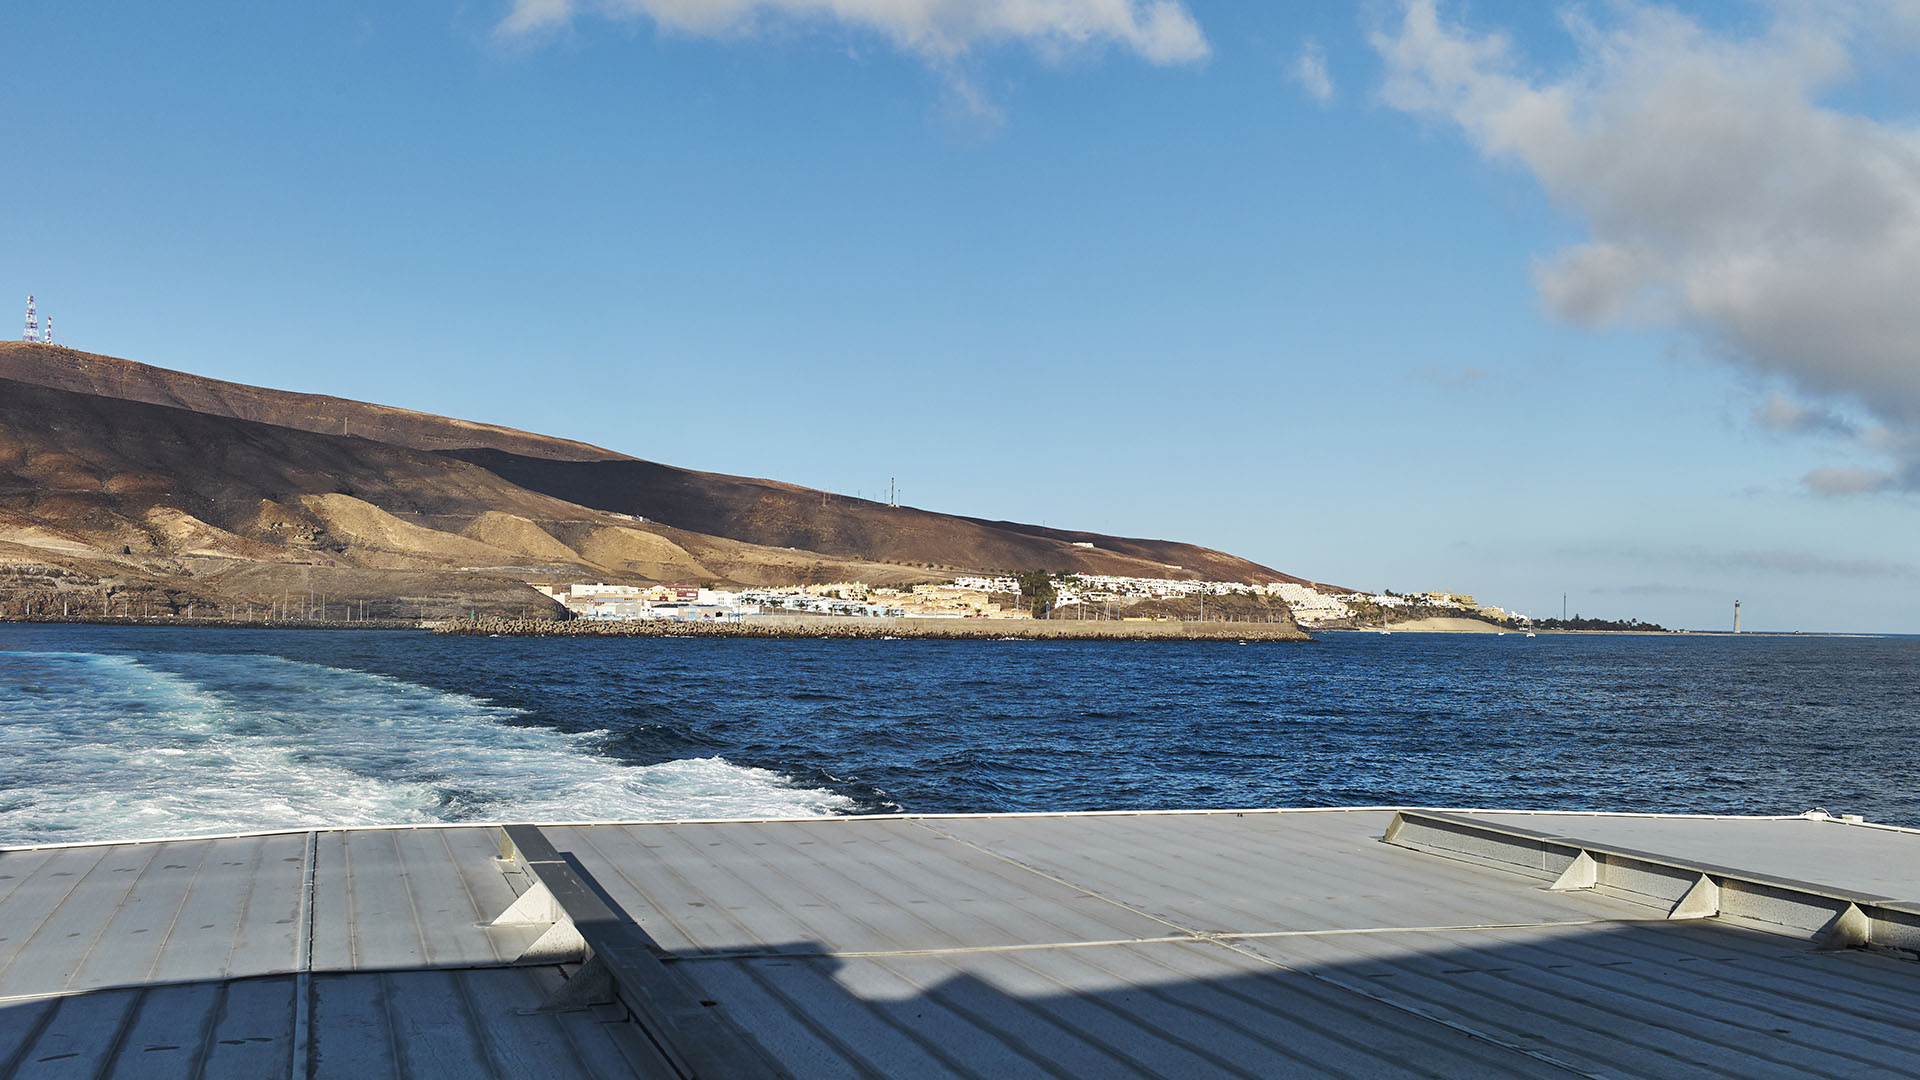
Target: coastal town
{"x": 1066, "y": 597}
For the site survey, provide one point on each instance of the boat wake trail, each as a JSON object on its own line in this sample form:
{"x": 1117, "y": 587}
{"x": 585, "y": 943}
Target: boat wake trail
{"x": 97, "y": 746}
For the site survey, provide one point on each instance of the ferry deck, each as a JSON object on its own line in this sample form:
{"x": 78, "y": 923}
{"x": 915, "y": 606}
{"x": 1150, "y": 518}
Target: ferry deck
{"x": 1256, "y": 944}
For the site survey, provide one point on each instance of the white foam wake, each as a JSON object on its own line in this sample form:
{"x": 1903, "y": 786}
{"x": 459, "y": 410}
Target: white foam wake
{"x": 102, "y": 747}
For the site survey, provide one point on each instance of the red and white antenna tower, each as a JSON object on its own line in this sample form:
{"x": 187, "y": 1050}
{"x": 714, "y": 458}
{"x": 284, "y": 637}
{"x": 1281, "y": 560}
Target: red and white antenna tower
{"x": 48, "y": 335}
{"x": 33, "y": 325}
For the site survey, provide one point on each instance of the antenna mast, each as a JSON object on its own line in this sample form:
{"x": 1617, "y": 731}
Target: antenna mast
{"x": 48, "y": 336}
{"x": 33, "y": 325}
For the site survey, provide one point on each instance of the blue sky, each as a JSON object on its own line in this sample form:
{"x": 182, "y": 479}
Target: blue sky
{"x": 1517, "y": 299}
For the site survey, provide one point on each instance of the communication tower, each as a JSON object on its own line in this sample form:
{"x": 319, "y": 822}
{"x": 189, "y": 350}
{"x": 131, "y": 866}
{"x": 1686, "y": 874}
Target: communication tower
{"x": 47, "y": 335}
{"x": 33, "y": 325}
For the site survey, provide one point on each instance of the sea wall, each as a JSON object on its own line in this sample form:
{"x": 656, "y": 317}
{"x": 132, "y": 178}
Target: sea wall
{"x": 827, "y": 626}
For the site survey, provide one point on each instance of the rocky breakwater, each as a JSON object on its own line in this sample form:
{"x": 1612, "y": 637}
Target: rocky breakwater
{"x": 800, "y": 626}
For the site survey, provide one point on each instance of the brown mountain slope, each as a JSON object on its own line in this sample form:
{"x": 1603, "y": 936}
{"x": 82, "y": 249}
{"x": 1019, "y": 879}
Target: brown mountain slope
{"x": 763, "y": 518}
{"x": 774, "y": 514}
{"x": 166, "y": 492}
{"x": 108, "y": 376}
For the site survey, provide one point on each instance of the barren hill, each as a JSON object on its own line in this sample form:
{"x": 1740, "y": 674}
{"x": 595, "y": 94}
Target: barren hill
{"x": 774, "y": 514}
{"x": 165, "y": 502}
{"x": 166, "y": 483}
{"x": 61, "y": 368}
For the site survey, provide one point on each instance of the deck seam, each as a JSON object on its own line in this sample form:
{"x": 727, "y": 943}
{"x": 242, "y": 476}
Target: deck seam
{"x": 1192, "y": 937}
{"x": 256, "y": 857}
{"x": 299, "y": 1057}
{"x": 123, "y": 1030}
{"x": 1247, "y": 1032}
{"x": 1463, "y": 1029}
{"x": 1158, "y": 812}
{"x": 1420, "y": 1013}
{"x": 179, "y": 909}
{"x": 10, "y": 1065}
{"x": 1579, "y": 972}
{"x": 948, "y": 1001}
{"x": 53, "y": 912}
{"x": 119, "y": 908}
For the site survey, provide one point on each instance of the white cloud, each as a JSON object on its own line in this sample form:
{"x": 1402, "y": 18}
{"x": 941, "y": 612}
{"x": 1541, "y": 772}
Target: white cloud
{"x": 1717, "y": 561}
{"x": 1811, "y": 563}
{"x": 1309, "y": 69}
{"x": 1780, "y": 413}
{"x": 1718, "y": 191}
{"x": 1160, "y": 31}
{"x": 529, "y": 16}
{"x": 1851, "y": 480}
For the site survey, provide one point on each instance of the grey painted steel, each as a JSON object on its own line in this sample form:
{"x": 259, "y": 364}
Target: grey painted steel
{"x": 1673, "y": 999}
{"x": 293, "y": 954}
{"x": 399, "y": 898}
{"x": 1181, "y": 944}
{"x": 134, "y": 914}
{"x": 691, "y": 1035}
{"x": 1863, "y": 858}
{"x": 366, "y": 1026}
{"x": 1830, "y": 915}
{"x": 1263, "y": 944}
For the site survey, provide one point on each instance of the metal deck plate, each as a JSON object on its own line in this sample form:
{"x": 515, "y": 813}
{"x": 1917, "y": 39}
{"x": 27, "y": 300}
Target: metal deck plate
{"x": 1258, "y": 944}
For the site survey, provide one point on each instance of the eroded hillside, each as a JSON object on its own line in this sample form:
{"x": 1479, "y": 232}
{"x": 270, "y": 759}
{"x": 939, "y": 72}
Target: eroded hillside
{"x": 170, "y": 484}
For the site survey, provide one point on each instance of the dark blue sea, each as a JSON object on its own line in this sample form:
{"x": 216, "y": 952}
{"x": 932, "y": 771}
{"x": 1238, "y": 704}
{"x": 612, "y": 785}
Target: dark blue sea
{"x": 112, "y": 732}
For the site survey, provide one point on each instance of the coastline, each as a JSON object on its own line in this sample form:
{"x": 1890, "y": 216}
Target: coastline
{"x": 184, "y": 623}
{"x": 840, "y": 628}
{"x": 1482, "y": 628}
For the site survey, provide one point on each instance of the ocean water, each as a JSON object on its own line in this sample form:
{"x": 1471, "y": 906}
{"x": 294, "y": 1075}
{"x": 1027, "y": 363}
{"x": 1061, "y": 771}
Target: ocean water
{"x": 110, "y": 732}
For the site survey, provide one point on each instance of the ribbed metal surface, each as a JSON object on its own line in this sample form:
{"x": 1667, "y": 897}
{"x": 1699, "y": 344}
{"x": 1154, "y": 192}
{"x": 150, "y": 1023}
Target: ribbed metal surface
{"x": 425, "y": 1025}
{"x": 1863, "y": 858}
{"x": 811, "y": 885}
{"x": 460, "y": 1024}
{"x": 1177, "y": 945}
{"x": 399, "y": 898}
{"x": 1225, "y": 873}
{"x": 1684, "y": 999}
{"x": 125, "y": 914}
{"x": 191, "y": 958}
{"x": 1172, "y": 1009}
{"x": 855, "y": 885}
{"x": 238, "y": 1028}
{"x": 1217, "y": 945}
